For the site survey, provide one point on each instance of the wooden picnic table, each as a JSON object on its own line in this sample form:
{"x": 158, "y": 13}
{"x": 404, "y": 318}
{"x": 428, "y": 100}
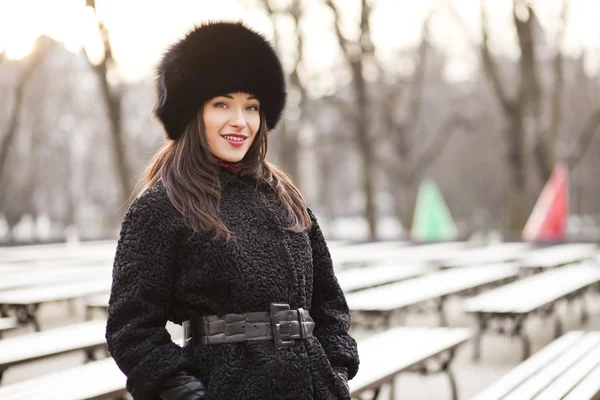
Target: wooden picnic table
{"x": 26, "y": 301}
{"x": 437, "y": 286}
{"x": 510, "y": 305}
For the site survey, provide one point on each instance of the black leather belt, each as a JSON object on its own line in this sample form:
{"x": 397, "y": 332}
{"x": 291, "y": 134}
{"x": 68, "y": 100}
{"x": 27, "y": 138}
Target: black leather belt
{"x": 280, "y": 324}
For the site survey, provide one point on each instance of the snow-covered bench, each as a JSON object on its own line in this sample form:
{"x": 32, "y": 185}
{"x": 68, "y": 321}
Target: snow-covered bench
{"x": 510, "y": 305}
{"x": 434, "y": 287}
{"x": 86, "y": 336}
{"x": 566, "y": 369}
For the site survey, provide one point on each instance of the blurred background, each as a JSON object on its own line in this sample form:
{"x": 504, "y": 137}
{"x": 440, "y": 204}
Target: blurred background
{"x": 482, "y": 98}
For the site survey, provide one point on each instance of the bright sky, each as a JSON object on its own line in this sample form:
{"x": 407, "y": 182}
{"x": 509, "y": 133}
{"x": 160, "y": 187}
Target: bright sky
{"x": 141, "y": 29}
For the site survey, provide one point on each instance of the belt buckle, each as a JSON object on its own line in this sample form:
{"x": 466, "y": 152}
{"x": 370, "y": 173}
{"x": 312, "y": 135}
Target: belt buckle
{"x": 275, "y": 308}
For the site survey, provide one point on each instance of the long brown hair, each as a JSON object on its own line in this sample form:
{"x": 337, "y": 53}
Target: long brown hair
{"x": 189, "y": 172}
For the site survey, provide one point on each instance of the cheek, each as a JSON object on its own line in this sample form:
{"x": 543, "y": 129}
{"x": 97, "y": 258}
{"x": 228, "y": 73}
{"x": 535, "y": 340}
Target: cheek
{"x": 254, "y": 124}
{"x": 212, "y": 126}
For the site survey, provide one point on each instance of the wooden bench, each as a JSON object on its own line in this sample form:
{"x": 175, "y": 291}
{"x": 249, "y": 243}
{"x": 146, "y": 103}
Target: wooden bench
{"x": 555, "y": 256}
{"x": 434, "y": 287}
{"x": 80, "y": 251}
{"x": 7, "y": 324}
{"x": 87, "y": 336}
{"x": 385, "y": 355}
{"x": 510, "y": 305}
{"x": 26, "y": 301}
{"x": 95, "y": 380}
{"x": 96, "y": 302}
{"x": 45, "y": 276}
{"x": 355, "y": 279}
{"x": 363, "y": 253}
{"x": 494, "y": 254}
{"x": 566, "y": 369}
{"x": 383, "y": 253}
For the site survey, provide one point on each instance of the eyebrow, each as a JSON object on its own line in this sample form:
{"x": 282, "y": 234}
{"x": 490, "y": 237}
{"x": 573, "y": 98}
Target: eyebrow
{"x": 231, "y": 97}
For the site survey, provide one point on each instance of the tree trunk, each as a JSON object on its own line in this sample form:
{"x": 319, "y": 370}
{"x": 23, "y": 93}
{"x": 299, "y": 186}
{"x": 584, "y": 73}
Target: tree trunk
{"x": 112, "y": 100}
{"x": 113, "y": 105}
{"x": 289, "y": 148}
{"x": 405, "y": 197}
{"x": 517, "y": 172}
{"x": 31, "y": 64}
{"x": 365, "y": 149}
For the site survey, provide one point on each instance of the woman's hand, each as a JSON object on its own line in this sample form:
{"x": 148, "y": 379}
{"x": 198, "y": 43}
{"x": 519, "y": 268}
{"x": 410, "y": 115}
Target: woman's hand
{"x": 342, "y": 372}
{"x": 182, "y": 386}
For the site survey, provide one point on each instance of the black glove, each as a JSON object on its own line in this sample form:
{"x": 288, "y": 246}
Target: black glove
{"x": 342, "y": 372}
{"x": 182, "y": 386}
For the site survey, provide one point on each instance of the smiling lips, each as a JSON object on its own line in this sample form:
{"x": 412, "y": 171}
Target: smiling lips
{"x": 235, "y": 139}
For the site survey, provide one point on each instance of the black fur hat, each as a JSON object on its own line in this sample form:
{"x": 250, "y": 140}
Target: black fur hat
{"x": 214, "y": 59}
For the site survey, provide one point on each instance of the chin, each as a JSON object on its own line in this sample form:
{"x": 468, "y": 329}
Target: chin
{"x": 232, "y": 158}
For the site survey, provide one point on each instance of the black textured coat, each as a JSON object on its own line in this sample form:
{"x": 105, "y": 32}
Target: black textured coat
{"x": 164, "y": 272}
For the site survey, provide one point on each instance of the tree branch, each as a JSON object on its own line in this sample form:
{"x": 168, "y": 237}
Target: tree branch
{"x": 439, "y": 142}
{"x": 557, "y": 90}
{"x": 489, "y": 65}
{"x": 581, "y": 144}
{"x": 417, "y": 84}
{"x": 338, "y": 33}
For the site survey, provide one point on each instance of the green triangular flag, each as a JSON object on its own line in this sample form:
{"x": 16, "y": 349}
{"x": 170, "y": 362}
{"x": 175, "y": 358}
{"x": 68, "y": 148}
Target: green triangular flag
{"x": 432, "y": 220}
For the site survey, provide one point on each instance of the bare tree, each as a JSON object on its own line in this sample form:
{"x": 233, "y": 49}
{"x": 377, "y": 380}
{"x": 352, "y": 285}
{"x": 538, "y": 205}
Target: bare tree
{"x": 521, "y": 111}
{"x": 113, "y": 98}
{"x": 288, "y": 133}
{"x": 408, "y": 162}
{"x": 31, "y": 64}
{"x": 355, "y": 52}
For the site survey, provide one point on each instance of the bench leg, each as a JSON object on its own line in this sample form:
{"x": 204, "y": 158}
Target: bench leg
{"x": 27, "y": 314}
{"x": 585, "y": 315}
{"x": 445, "y": 367}
{"x": 441, "y": 311}
{"x": 88, "y": 313}
{"x": 453, "y": 388}
{"x": 376, "y": 394}
{"x": 558, "y": 328}
{"x": 481, "y": 328}
{"x": 72, "y": 307}
{"x": 520, "y": 331}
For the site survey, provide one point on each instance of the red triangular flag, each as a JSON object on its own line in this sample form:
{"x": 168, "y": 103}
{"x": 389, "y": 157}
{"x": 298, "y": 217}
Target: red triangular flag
{"x": 548, "y": 221}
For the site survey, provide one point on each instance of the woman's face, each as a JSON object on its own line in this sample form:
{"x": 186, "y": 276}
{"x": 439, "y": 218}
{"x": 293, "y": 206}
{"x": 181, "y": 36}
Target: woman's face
{"x": 231, "y": 123}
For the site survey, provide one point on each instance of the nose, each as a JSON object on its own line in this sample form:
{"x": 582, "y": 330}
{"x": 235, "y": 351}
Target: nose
{"x": 237, "y": 118}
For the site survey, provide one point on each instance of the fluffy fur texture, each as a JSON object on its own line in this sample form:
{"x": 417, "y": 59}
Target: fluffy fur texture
{"x": 215, "y": 59}
{"x": 163, "y": 272}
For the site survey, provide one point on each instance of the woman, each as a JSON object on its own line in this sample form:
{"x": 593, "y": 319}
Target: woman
{"x": 222, "y": 242}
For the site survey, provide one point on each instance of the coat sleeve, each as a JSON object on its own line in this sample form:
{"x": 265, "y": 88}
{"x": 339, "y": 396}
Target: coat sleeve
{"x": 140, "y": 296}
{"x": 329, "y": 308}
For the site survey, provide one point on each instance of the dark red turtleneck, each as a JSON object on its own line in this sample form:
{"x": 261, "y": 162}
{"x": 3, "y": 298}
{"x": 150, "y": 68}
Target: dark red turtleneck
{"x": 233, "y": 167}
